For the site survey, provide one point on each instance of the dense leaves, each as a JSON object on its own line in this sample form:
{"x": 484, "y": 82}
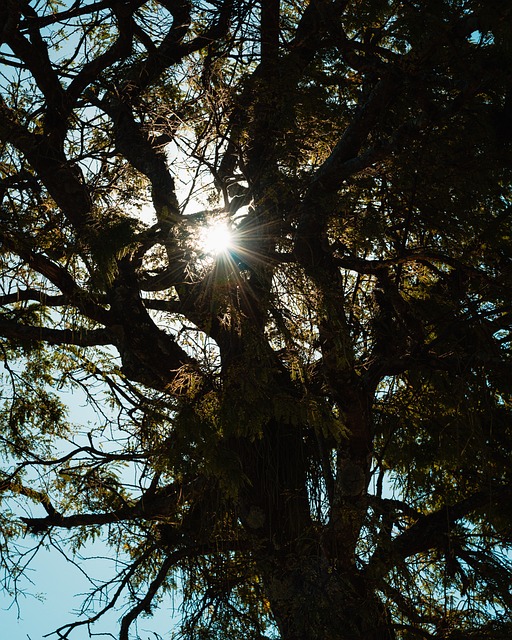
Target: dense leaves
{"x": 306, "y": 433}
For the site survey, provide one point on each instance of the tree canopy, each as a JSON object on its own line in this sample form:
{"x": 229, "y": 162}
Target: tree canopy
{"x": 306, "y": 432}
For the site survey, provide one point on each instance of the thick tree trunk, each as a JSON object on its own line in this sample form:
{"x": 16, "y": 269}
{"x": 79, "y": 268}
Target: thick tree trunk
{"x": 312, "y": 584}
{"x": 311, "y": 600}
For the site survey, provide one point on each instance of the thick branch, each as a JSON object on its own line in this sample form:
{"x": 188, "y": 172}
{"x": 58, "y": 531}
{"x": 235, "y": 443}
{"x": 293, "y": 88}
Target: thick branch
{"x": 157, "y": 507}
{"x": 34, "y": 54}
{"x": 134, "y": 144}
{"x": 62, "y": 178}
{"x": 75, "y": 11}
{"x": 119, "y": 50}
{"x": 149, "y": 354}
{"x": 432, "y": 531}
{"x": 145, "y": 602}
{"x": 79, "y": 337}
{"x": 57, "y": 275}
{"x": 26, "y": 295}
{"x": 173, "y": 49}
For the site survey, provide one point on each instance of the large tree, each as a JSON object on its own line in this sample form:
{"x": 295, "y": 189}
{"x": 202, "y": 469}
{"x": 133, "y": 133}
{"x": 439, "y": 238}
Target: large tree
{"x": 309, "y": 432}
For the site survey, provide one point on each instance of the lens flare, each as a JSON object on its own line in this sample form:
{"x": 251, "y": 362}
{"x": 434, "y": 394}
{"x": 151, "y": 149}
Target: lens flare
{"x": 216, "y": 238}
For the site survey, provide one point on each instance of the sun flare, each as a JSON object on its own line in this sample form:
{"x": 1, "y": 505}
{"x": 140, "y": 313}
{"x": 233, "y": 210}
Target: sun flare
{"x": 216, "y": 238}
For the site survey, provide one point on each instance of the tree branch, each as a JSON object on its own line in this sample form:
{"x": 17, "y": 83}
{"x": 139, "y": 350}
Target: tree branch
{"x": 173, "y": 49}
{"x": 432, "y": 531}
{"x": 62, "y": 178}
{"x": 79, "y": 337}
{"x": 119, "y": 50}
{"x": 75, "y": 11}
{"x": 57, "y": 275}
{"x": 128, "y": 573}
{"x": 34, "y": 54}
{"x": 34, "y": 295}
{"x": 154, "y": 504}
{"x": 145, "y": 602}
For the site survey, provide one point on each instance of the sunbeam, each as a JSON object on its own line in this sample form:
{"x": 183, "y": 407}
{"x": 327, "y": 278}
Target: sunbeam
{"x": 216, "y": 238}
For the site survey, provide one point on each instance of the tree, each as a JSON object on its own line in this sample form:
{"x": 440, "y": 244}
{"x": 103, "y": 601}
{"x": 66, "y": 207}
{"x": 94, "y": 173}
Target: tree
{"x": 318, "y": 417}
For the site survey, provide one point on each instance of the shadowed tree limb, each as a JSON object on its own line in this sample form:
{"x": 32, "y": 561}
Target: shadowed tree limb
{"x": 80, "y": 337}
{"x": 145, "y": 602}
{"x": 432, "y": 531}
{"x": 124, "y": 581}
{"x": 160, "y": 504}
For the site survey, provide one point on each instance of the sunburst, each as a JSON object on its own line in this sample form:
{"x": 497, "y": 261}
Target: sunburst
{"x": 216, "y": 238}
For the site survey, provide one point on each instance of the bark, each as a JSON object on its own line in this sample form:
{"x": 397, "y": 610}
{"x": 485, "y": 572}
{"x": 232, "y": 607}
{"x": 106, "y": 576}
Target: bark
{"x": 311, "y": 581}
{"x": 149, "y": 355}
{"x": 28, "y": 333}
{"x": 312, "y": 600}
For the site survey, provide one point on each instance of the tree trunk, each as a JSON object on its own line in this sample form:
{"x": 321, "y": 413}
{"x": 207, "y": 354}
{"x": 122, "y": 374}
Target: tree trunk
{"x": 312, "y": 600}
{"x": 311, "y": 582}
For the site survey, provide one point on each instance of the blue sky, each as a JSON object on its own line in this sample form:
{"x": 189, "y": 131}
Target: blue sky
{"x": 57, "y": 591}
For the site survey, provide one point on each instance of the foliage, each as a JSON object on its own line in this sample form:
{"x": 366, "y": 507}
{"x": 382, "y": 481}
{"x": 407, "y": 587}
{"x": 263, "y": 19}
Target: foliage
{"x": 307, "y": 434}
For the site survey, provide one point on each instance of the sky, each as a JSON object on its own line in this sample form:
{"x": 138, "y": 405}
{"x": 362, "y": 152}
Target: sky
{"x": 56, "y": 594}
{"x": 55, "y": 588}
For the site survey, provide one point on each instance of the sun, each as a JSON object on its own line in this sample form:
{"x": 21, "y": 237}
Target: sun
{"x": 216, "y": 238}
